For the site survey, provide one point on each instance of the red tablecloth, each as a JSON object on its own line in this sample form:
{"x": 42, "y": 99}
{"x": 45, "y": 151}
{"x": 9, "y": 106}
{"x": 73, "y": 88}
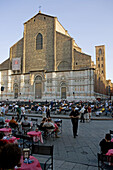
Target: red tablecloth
{"x": 36, "y": 136}
{"x": 11, "y": 139}
{"x": 110, "y": 152}
{"x": 33, "y": 166}
{"x": 6, "y": 131}
{"x": 7, "y": 120}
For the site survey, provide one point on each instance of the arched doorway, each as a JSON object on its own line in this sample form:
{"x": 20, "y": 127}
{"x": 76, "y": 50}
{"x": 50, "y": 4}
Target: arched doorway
{"x": 15, "y": 91}
{"x": 38, "y": 87}
{"x": 63, "y": 91}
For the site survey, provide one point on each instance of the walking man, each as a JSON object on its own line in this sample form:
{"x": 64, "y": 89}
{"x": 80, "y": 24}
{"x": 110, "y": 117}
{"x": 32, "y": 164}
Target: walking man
{"x": 74, "y": 115}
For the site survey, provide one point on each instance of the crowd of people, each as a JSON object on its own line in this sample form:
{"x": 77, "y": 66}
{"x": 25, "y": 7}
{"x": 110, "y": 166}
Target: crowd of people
{"x": 57, "y": 107}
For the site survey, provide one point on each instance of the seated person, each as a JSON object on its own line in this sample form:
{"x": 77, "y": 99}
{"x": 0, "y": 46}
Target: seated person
{"x": 26, "y": 125}
{"x": 56, "y": 130}
{"x": 49, "y": 123}
{"x": 10, "y": 155}
{"x": 40, "y": 127}
{"x": 106, "y": 144}
{"x": 53, "y": 125}
{"x": 43, "y": 121}
{"x": 26, "y": 122}
{"x": 13, "y": 123}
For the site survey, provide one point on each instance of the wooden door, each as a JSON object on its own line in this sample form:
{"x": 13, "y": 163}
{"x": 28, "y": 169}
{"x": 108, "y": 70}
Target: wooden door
{"x": 63, "y": 92}
{"x": 38, "y": 90}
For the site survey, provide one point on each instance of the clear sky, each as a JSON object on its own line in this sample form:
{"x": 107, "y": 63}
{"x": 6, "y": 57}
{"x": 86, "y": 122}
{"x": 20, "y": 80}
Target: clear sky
{"x": 89, "y": 22}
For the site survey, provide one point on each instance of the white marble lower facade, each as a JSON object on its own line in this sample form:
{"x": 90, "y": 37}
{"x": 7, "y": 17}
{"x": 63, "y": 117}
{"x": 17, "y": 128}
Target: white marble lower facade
{"x": 70, "y": 85}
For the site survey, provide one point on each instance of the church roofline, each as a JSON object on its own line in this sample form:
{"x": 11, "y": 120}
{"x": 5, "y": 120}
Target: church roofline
{"x": 82, "y": 53}
{"x": 99, "y": 45}
{"x": 5, "y": 61}
{"x": 37, "y": 15}
{"x": 17, "y": 42}
{"x": 64, "y": 35}
{"x": 5, "y": 65}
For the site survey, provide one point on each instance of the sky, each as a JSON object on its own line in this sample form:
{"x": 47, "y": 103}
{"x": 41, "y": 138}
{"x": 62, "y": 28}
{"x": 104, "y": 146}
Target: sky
{"x": 89, "y": 22}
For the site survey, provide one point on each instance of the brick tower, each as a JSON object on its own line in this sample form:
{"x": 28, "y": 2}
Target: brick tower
{"x": 100, "y": 60}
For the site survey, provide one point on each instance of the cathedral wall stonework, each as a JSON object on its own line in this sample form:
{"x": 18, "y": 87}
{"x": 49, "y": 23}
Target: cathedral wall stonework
{"x": 16, "y": 51}
{"x": 42, "y": 59}
{"x": 63, "y": 50}
{"x": 81, "y": 60}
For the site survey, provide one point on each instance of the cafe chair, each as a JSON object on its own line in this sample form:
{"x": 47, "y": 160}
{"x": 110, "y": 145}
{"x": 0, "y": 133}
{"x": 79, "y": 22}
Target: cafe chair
{"x": 14, "y": 127}
{"x": 26, "y": 128}
{"x": 50, "y": 133}
{"x": 27, "y": 141}
{"x": 2, "y": 124}
{"x": 42, "y": 129}
{"x": 105, "y": 161}
{"x": 35, "y": 121}
{"x": 24, "y": 141}
{"x": 45, "y": 155}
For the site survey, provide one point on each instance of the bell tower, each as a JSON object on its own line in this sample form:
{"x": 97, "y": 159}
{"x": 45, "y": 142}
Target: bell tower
{"x": 100, "y": 60}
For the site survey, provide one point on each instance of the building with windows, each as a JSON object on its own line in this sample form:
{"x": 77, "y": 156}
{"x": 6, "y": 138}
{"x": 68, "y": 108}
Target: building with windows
{"x": 46, "y": 63}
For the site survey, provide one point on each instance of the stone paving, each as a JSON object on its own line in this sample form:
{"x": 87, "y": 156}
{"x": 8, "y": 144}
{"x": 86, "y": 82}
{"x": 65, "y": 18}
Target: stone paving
{"x": 79, "y": 153}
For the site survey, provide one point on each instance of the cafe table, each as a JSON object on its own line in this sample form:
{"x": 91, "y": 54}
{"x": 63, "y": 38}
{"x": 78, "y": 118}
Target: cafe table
{"x": 36, "y": 136}
{"x": 7, "y": 120}
{"x": 6, "y": 131}
{"x": 11, "y": 139}
{"x": 110, "y": 153}
{"x": 32, "y": 166}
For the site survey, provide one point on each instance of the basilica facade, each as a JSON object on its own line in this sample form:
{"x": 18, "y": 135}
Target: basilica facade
{"x": 46, "y": 64}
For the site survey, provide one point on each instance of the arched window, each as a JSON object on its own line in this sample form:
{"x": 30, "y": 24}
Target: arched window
{"x": 39, "y": 41}
{"x": 100, "y": 51}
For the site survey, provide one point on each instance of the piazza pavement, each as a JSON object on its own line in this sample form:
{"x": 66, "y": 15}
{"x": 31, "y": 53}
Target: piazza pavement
{"x": 78, "y": 153}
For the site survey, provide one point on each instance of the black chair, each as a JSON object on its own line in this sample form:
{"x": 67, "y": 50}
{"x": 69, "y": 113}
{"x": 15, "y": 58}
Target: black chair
{"x": 27, "y": 142}
{"x": 49, "y": 132}
{"x": 105, "y": 162}
{"x": 35, "y": 121}
{"x": 24, "y": 141}
{"x": 2, "y": 124}
{"x": 45, "y": 153}
{"x": 26, "y": 127}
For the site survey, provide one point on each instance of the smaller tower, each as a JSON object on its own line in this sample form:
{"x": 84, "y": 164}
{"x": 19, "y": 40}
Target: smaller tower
{"x": 100, "y": 60}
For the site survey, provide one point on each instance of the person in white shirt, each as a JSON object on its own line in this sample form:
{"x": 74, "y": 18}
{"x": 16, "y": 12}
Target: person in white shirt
{"x": 22, "y": 111}
{"x": 82, "y": 114}
{"x": 0, "y": 109}
{"x": 44, "y": 111}
{"x": 48, "y": 123}
{"x": 3, "y": 110}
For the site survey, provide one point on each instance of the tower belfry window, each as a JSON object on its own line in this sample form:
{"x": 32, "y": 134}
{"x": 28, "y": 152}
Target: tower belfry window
{"x": 100, "y": 51}
{"x": 39, "y": 41}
